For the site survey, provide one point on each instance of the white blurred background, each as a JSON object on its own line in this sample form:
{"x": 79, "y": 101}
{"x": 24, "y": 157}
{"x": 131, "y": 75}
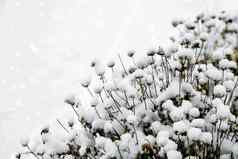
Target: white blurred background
{"x": 46, "y": 46}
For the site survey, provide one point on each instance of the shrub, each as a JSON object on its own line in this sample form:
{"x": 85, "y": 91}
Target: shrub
{"x": 179, "y": 101}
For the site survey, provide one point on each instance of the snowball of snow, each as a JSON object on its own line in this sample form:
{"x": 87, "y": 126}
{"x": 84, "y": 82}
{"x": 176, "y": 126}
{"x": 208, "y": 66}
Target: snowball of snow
{"x": 224, "y": 64}
{"x": 171, "y": 49}
{"x": 186, "y": 106}
{"x": 168, "y": 105}
{"x": 232, "y": 64}
{"x": 214, "y": 74}
{"x": 156, "y": 126}
{"x": 151, "y": 139}
{"x": 110, "y": 63}
{"x": 85, "y": 81}
{"x": 206, "y": 137}
{"x": 132, "y": 119}
{"x": 99, "y": 69}
{"x": 219, "y": 90}
{"x": 180, "y": 126}
{"x": 124, "y": 142}
{"x": 228, "y": 75}
{"x": 204, "y": 36}
{"x": 187, "y": 88}
{"x": 82, "y": 150}
{"x": 98, "y": 124}
{"x": 213, "y": 118}
{"x": 69, "y": 157}
{"x": 174, "y": 154}
{"x": 199, "y": 123}
{"x": 56, "y": 146}
{"x": 223, "y": 112}
{"x": 217, "y": 102}
{"x": 194, "y": 112}
{"x": 100, "y": 141}
{"x": 97, "y": 88}
{"x": 228, "y": 51}
{"x": 175, "y": 65}
{"x": 177, "y": 114}
{"x": 202, "y": 78}
{"x": 218, "y": 54}
{"x": 131, "y": 53}
{"x": 131, "y": 92}
{"x": 194, "y": 133}
{"x": 161, "y": 140}
{"x": 109, "y": 85}
{"x": 108, "y": 127}
{"x": 149, "y": 80}
{"x": 110, "y": 148}
{"x": 170, "y": 145}
{"x": 172, "y": 90}
{"x": 229, "y": 84}
{"x": 185, "y": 53}
{"x": 139, "y": 73}
{"x": 94, "y": 102}
{"x": 70, "y": 99}
{"x": 163, "y": 133}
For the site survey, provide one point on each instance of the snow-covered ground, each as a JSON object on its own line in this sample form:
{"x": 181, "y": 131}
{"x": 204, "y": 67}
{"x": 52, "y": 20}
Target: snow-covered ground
{"x": 45, "y": 47}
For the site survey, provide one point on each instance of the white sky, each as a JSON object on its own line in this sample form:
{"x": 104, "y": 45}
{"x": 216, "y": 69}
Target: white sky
{"x": 46, "y": 45}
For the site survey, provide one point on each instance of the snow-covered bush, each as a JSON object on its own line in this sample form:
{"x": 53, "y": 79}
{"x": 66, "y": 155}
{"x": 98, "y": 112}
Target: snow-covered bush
{"x": 178, "y": 101}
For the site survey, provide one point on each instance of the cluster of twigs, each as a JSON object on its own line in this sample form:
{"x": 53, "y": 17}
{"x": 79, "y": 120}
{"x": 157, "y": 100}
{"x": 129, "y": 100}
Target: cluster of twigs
{"x": 177, "y": 101}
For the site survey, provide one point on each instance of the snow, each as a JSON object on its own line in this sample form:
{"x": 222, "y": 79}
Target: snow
{"x": 214, "y": 74}
{"x": 206, "y": 137}
{"x": 85, "y": 81}
{"x": 132, "y": 119}
{"x": 137, "y": 118}
{"x": 156, "y": 126}
{"x": 224, "y": 64}
{"x": 177, "y": 114}
{"x": 24, "y": 141}
{"x": 170, "y": 145}
{"x": 204, "y": 36}
{"x": 235, "y": 149}
{"x": 168, "y": 105}
{"x": 194, "y": 133}
{"x": 226, "y": 146}
{"x": 163, "y": 133}
{"x": 186, "y": 54}
{"x": 174, "y": 155}
{"x": 110, "y": 63}
{"x": 180, "y": 126}
{"x": 94, "y": 102}
{"x": 97, "y": 88}
{"x": 223, "y": 112}
{"x": 219, "y": 90}
{"x": 161, "y": 140}
{"x": 186, "y": 106}
{"x": 199, "y": 123}
{"x": 213, "y": 118}
{"x": 229, "y": 85}
{"x": 194, "y": 112}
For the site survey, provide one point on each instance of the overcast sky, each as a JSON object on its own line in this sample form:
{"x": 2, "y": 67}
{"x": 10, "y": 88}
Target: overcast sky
{"x": 46, "y": 46}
